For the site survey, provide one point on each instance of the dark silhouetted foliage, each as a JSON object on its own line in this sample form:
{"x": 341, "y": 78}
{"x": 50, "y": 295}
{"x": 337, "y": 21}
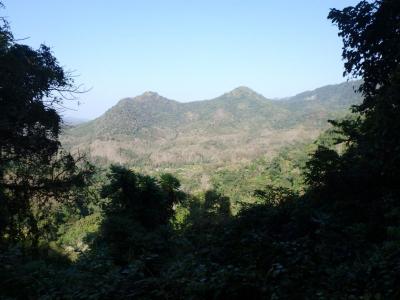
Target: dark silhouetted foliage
{"x": 331, "y": 233}
{"x": 34, "y": 172}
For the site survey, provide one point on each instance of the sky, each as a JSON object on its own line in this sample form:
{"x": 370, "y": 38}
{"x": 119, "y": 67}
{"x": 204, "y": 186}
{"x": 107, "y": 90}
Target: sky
{"x": 185, "y": 50}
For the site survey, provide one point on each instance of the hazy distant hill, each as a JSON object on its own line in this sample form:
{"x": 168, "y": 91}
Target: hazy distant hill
{"x": 72, "y": 121}
{"x": 237, "y": 126}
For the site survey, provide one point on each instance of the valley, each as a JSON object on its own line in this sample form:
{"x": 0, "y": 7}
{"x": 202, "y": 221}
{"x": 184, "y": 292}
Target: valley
{"x": 193, "y": 140}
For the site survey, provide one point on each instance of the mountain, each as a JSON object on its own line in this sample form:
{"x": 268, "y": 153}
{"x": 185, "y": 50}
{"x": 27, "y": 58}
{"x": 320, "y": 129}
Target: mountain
{"x": 73, "y": 121}
{"x": 151, "y": 130}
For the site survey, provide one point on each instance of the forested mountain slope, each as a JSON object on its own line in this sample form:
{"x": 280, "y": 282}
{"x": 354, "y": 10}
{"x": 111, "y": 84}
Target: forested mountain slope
{"x": 238, "y": 126}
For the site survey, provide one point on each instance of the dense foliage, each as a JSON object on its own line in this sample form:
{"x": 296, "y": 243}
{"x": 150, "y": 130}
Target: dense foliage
{"x": 34, "y": 172}
{"x": 325, "y": 225}
{"x": 150, "y": 131}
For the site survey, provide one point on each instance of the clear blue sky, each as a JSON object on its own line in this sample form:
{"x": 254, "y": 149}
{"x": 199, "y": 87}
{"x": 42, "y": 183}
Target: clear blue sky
{"x": 184, "y": 50}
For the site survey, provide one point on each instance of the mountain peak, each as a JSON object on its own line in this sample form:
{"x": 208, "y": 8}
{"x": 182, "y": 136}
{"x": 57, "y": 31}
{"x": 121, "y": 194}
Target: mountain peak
{"x": 241, "y": 91}
{"x": 148, "y": 95}
{"x": 244, "y": 88}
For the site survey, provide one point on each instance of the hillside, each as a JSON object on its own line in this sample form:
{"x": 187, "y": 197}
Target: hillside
{"x": 238, "y": 126}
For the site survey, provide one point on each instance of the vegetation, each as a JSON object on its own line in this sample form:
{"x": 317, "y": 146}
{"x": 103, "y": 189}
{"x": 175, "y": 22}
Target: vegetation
{"x": 34, "y": 173}
{"x": 152, "y": 134}
{"x": 325, "y": 223}
{"x": 150, "y": 131}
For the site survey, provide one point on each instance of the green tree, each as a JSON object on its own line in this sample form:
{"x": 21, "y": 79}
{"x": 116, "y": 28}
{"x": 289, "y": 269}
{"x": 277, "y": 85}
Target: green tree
{"x": 34, "y": 172}
{"x": 139, "y": 197}
{"x": 215, "y": 203}
{"x": 171, "y": 185}
{"x": 366, "y": 175}
{"x": 137, "y": 214}
{"x": 370, "y": 33}
{"x": 371, "y": 38}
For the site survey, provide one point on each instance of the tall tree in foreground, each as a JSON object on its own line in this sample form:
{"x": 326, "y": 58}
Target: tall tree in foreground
{"x": 371, "y": 38}
{"x": 33, "y": 170}
{"x": 137, "y": 210}
{"x": 365, "y": 178}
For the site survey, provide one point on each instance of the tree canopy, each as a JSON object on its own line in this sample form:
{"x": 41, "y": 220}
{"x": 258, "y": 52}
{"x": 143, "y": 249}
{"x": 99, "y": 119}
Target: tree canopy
{"x": 33, "y": 168}
{"x": 332, "y": 232}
